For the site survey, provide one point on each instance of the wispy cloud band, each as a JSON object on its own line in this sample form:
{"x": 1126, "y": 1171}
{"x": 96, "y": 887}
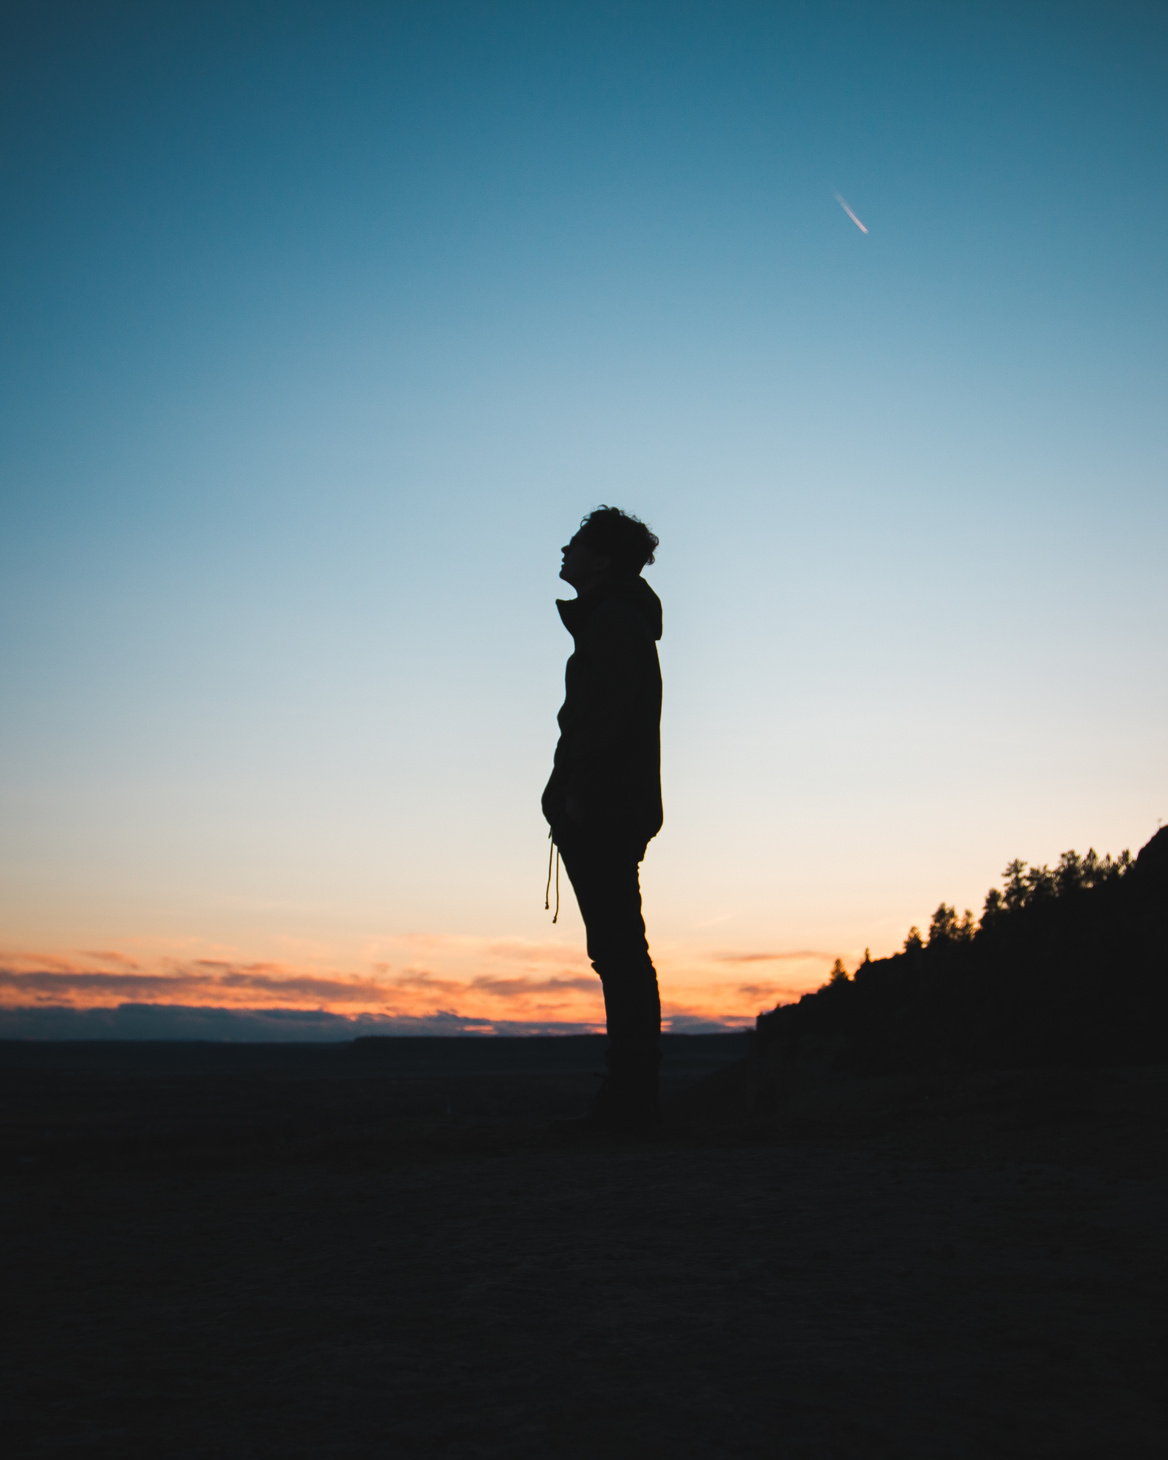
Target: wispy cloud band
{"x": 426, "y": 977}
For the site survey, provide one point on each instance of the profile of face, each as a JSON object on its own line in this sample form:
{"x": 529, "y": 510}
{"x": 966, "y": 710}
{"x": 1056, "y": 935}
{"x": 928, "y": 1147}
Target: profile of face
{"x": 582, "y": 568}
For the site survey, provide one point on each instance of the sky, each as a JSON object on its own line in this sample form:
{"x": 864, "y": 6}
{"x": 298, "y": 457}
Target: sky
{"x": 322, "y": 325}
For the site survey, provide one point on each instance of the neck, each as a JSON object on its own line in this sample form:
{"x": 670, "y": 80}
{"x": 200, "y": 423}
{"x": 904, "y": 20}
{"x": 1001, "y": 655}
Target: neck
{"x": 589, "y": 582}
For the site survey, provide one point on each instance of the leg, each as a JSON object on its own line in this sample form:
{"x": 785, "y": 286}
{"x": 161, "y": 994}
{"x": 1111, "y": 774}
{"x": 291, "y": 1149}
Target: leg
{"x": 605, "y": 877}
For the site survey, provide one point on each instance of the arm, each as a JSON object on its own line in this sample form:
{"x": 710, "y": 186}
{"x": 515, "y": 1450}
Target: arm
{"x": 620, "y": 707}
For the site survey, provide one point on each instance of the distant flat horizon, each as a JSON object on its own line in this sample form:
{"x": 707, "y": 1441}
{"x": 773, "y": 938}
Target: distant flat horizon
{"x": 195, "y": 1024}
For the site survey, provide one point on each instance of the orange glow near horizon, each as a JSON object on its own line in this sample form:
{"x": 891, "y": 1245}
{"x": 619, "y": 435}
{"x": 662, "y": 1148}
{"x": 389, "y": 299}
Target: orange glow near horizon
{"x": 487, "y": 980}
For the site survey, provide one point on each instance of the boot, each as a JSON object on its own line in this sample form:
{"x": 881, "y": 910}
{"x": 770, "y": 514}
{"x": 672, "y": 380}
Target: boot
{"x": 623, "y": 1107}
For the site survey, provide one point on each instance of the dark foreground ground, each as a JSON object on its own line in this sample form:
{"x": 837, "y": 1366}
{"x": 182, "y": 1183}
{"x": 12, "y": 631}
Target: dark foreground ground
{"x": 374, "y": 1250}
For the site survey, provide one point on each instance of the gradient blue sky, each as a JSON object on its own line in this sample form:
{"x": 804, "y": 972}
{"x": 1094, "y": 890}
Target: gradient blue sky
{"x": 322, "y": 325}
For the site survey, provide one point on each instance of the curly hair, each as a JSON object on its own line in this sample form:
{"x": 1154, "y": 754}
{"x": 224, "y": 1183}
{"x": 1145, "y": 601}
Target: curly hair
{"x": 618, "y": 535}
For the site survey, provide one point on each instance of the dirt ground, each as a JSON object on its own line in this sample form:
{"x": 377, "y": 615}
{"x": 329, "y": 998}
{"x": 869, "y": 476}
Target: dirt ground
{"x": 379, "y": 1252}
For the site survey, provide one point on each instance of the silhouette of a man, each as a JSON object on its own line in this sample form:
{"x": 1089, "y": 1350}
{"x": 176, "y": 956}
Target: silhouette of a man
{"x": 603, "y": 801}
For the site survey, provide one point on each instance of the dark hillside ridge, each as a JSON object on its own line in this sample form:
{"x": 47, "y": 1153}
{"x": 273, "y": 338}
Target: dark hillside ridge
{"x": 1068, "y": 966}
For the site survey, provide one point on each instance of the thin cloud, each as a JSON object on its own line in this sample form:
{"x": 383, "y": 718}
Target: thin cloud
{"x": 850, "y": 214}
{"x": 471, "y": 946}
{"x": 769, "y": 991}
{"x": 798, "y": 956}
{"x": 188, "y": 983}
{"x": 493, "y": 982}
{"x": 421, "y": 980}
{"x": 214, "y": 980}
{"x": 509, "y": 987}
{"x": 50, "y": 980}
{"x": 122, "y": 960}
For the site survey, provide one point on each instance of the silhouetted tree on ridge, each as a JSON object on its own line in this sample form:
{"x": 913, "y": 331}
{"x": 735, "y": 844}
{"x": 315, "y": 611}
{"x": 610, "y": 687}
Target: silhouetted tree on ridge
{"x": 1066, "y": 965}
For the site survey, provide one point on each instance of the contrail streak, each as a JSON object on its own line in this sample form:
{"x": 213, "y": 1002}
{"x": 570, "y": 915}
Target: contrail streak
{"x": 850, "y": 214}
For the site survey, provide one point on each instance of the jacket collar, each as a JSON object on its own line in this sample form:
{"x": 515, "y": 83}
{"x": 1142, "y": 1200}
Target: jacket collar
{"x": 575, "y": 612}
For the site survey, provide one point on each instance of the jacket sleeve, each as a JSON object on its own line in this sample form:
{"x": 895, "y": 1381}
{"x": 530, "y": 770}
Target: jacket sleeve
{"x": 621, "y": 707}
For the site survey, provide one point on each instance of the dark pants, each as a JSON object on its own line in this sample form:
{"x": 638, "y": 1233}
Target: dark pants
{"x": 604, "y": 873}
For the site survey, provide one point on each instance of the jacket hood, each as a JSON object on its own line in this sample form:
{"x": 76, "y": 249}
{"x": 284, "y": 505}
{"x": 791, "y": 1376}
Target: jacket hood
{"x": 635, "y": 591}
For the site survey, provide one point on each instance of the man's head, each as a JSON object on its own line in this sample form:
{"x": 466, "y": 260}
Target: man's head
{"x": 608, "y": 544}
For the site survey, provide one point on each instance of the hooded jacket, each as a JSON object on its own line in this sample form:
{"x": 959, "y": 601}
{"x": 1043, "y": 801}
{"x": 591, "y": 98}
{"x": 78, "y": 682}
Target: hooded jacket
{"x": 608, "y": 759}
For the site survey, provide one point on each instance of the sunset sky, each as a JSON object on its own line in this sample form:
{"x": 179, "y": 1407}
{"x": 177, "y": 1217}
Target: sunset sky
{"x": 323, "y": 325}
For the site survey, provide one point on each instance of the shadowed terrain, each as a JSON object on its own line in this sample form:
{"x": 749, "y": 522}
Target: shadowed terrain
{"x": 1066, "y": 967}
{"x": 375, "y": 1249}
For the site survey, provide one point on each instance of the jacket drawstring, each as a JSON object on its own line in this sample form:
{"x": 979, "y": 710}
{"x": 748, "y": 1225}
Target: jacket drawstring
{"x": 553, "y": 851}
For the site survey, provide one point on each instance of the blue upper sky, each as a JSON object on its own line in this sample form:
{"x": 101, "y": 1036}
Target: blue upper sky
{"x": 322, "y": 324}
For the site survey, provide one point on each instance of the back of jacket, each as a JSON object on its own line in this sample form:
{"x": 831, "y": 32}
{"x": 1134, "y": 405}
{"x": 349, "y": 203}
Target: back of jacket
{"x": 608, "y": 759}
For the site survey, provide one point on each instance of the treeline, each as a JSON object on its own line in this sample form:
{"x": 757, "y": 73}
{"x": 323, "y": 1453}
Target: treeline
{"x": 1066, "y": 965}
